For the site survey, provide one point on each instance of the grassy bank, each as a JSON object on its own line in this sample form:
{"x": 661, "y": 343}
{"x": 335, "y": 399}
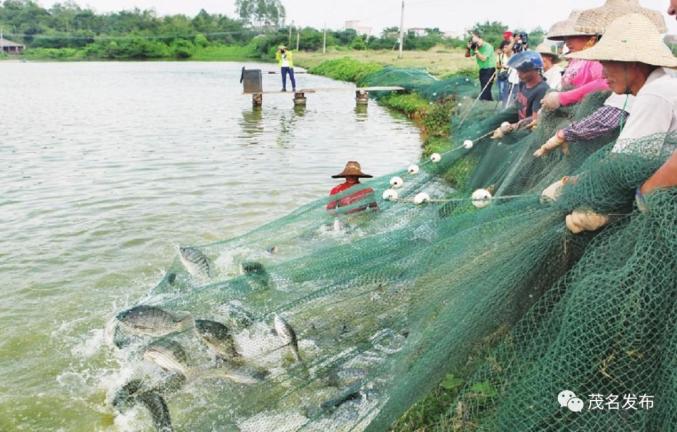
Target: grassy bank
{"x": 439, "y": 61}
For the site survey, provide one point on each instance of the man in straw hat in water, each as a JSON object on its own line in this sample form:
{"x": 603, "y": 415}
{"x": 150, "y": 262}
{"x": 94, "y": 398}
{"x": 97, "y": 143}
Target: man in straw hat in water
{"x": 360, "y": 200}
{"x": 635, "y": 59}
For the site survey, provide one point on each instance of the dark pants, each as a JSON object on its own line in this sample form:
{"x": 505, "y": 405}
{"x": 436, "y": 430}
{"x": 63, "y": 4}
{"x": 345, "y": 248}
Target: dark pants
{"x": 290, "y": 71}
{"x": 486, "y": 82}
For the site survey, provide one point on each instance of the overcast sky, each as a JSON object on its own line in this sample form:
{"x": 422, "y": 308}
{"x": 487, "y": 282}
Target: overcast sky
{"x": 448, "y": 15}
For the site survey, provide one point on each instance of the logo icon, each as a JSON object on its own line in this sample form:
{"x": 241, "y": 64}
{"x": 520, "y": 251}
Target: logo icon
{"x": 567, "y": 398}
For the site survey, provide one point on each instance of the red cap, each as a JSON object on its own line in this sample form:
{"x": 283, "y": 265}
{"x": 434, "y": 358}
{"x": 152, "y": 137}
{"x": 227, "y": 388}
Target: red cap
{"x": 507, "y": 35}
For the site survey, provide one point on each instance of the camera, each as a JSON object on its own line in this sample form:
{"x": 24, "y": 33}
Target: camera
{"x": 472, "y": 45}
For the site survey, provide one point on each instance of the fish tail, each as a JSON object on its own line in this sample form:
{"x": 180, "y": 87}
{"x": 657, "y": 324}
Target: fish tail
{"x": 187, "y": 323}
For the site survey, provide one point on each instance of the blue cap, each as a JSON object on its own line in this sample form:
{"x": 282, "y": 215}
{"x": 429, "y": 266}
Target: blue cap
{"x": 525, "y": 61}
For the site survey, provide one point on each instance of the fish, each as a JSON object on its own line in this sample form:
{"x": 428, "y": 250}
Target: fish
{"x": 133, "y": 393}
{"x": 171, "y": 356}
{"x": 287, "y": 334}
{"x": 156, "y": 405}
{"x": 195, "y": 262}
{"x": 217, "y": 337}
{"x": 153, "y": 321}
{"x": 167, "y": 354}
{"x": 256, "y": 273}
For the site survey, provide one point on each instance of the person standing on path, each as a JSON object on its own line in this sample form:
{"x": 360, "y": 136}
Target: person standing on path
{"x": 486, "y": 60}
{"x": 285, "y": 60}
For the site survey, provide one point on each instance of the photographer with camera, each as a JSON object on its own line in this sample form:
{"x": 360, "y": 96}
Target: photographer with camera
{"x": 285, "y": 61}
{"x": 486, "y": 60}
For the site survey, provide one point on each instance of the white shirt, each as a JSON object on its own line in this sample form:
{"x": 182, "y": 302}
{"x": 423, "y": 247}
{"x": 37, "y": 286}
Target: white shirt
{"x": 653, "y": 113}
{"x": 285, "y": 62}
{"x": 553, "y": 77}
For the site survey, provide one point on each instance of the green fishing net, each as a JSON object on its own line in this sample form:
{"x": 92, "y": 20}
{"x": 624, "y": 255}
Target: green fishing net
{"x": 487, "y": 291}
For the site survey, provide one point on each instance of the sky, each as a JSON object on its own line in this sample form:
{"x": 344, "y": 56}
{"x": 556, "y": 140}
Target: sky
{"x": 448, "y": 15}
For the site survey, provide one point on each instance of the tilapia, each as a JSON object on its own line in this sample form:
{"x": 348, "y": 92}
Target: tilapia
{"x": 167, "y": 354}
{"x": 195, "y": 262}
{"x": 256, "y": 274}
{"x": 134, "y": 392}
{"x": 287, "y": 334}
{"x": 153, "y": 321}
{"x": 171, "y": 356}
{"x": 217, "y": 337}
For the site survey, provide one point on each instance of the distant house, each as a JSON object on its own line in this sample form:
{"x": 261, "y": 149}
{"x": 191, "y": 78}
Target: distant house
{"x": 9, "y": 47}
{"x": 418, "y": 31}
{"x": 358, "y": 27}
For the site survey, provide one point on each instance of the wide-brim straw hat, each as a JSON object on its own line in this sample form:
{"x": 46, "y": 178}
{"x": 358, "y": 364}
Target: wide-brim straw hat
{"x": 631, "y": 38}
{"x": 352, "y": 169}
{"x": 546, "y": 50}
{"x": 281, "y": 47}
{"x": 596, "y": 20}
{"x": 564, "y": 29}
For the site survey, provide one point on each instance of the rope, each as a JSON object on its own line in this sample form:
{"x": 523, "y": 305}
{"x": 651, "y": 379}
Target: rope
{"x": 465, "y": 116}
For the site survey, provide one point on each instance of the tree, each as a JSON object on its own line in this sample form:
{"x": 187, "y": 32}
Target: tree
{"x": 261, "y": 13}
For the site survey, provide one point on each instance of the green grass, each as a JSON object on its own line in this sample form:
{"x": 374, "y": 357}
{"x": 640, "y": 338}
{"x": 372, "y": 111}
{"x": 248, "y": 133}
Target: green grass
{"x": 346, "y": 69}
{"x": 224, "y": 53}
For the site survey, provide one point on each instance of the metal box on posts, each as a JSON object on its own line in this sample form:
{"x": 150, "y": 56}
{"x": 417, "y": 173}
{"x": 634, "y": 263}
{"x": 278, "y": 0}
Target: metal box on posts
{"x": 252, "y": 80}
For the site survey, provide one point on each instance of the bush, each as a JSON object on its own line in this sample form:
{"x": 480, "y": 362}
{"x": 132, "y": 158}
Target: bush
{"x": 358, "y": 44}
{"x": 182, "y": 49}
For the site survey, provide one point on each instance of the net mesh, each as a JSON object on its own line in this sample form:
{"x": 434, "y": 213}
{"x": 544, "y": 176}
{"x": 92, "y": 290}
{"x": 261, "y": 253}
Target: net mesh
{"x": 499, "y": 301}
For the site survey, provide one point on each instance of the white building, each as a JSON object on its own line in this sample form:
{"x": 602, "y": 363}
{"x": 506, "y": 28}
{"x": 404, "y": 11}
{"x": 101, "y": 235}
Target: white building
{"x": 358, "y": 27}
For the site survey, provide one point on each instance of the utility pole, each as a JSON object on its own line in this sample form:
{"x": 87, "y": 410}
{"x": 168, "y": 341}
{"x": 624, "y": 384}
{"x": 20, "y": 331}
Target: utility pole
{"x": 401, "y": 30}
{"x": 298, "y": 39}
{"x": 291, "y": 26}
{"x": 324, "y": 39}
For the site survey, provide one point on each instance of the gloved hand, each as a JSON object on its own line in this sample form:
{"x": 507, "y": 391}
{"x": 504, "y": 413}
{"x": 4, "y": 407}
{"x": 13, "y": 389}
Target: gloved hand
{"x": 551, "y": 145}
{"x": 552, "y": 192}
{"x": 641, "y": 202}
{"x": 579, "y": 221}
{"x": 551, "y": 101}
{"x": 502, "y": 131}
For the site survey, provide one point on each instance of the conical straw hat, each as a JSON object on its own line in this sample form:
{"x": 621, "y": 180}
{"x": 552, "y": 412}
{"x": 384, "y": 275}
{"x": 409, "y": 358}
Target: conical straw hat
{"x": 544, "y": 49}
{"x": 631, "y": 38}
{"x": 564, "y": 29}
{"x": 595, "y": 20}
{"x": 352, "y": 169}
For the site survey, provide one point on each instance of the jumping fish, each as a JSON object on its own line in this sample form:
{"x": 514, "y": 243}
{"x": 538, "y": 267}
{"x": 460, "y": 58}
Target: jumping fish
{"x": 287, "y": 334}
{"x": 171, "y": 356}
{"x": 256, "y": 273}
{"x": 195, "y": 262}
{"x": 217, "y": 337}
{"x": 153, "y": 321}
{"x": 134, "y": 392}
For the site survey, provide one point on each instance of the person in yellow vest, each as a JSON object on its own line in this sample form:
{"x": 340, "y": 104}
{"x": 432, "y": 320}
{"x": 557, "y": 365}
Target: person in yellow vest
{"x": 285, "y": 60}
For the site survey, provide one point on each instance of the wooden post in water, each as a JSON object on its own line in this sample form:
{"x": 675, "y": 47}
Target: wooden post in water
{"x": 362, "y": 97}
{"x": 299, "y": 99}
{"x": 257, "y": 100}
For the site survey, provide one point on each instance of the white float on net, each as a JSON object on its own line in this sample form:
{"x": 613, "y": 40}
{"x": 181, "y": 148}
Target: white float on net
{"x": 481, "y": 198}
{"x": 435, "y": 157}
{"x": 396, "y": 182}
{"x": 467, "y": 144}
{"x": 413, "y": 169}
{"x": 390, "y": 195}
{"x": 421, "y": 198}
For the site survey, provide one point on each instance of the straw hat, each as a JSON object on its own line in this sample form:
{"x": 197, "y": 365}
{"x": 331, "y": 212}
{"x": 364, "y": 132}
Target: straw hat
{"x": 596, "y": 20}
{"x": 352, "y": 169}
{"x": 631, "y": 38}
{"x": 545, "y": 49}
{"x": 564, "y": 29}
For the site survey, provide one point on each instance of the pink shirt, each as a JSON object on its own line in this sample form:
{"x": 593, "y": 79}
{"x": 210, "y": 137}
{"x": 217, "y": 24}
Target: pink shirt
{"x": 581, "y": 78}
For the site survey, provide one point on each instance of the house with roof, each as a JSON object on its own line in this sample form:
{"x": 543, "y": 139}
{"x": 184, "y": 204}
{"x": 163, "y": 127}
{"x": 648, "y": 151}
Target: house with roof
{"x": 9, "y": 47}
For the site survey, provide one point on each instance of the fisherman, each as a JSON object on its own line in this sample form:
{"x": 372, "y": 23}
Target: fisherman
{"x": 634, "y": 58}
{"x": 581, "y": 77}
{"x": 552, "y": 71}
{"x": 362, "y": 199}
{"x": 285, "y": 60}
{"x": 531, "y": 90}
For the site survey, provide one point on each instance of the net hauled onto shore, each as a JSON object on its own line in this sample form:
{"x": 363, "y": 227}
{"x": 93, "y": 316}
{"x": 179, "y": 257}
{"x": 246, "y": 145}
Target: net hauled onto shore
{"x": 343, "y": 320}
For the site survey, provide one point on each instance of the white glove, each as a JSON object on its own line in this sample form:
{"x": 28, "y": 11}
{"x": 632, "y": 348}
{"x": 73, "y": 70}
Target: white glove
{"x": 551, "y": 101}
{"x": 553, "y": 192}
{"x": 551, "y": 145}
{"x": 498, "y": 134}
{"x": 579, "y": 221}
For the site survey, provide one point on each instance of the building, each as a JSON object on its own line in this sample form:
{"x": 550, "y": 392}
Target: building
{"x": 358, "y": 27}
{"x": 418, "y": 31}
{"x": 9, "y": 47}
